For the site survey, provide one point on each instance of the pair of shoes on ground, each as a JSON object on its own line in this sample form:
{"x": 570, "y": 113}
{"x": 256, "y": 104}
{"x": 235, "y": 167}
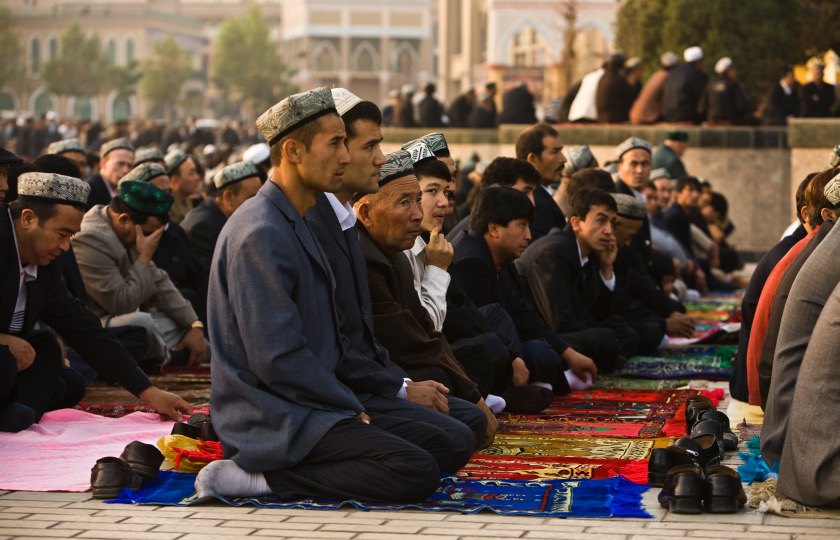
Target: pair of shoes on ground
{"x": 689, "y": 489}
{"x": 139, "y": 461}
{"x": 703, "y": 418}
{"x": 197, "y": 427}
{"x": 702, "y": 452}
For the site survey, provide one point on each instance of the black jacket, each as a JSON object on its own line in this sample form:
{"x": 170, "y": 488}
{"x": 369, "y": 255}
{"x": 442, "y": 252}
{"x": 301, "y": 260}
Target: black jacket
{"x": 681, "y": 93}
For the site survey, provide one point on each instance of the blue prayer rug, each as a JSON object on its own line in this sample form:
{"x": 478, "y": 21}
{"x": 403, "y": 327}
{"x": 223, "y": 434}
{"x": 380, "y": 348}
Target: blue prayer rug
{"x": 608, "y": 497}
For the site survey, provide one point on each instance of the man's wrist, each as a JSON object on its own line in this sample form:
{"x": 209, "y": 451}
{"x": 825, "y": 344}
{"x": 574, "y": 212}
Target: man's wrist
{"x": 197, "y": 324}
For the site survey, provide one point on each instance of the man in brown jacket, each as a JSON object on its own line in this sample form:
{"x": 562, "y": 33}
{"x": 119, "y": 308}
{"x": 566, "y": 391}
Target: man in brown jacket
{"x": 647, "y": 109}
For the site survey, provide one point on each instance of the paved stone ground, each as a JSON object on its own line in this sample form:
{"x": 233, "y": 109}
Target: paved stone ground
{"x": 76, "y": 515}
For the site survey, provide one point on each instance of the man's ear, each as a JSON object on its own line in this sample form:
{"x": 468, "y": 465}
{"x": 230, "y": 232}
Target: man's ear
{"x": 574, "y": 221}
{"x": 533, "y": 159}
{"x": 803, "y": 213}
{"x": 493, "y": 230}
{"x": 828, "y": 214}
{"x": 28, "y": 219}
{"x": 291, "y": 150}
{"x": 362, "y": 209}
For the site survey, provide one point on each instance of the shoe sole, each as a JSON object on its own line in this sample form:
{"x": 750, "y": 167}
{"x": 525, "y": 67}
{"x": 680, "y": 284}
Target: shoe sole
{"x": 685, "y": 506}
{"x": 722, "y": 505}
{"x": 656, "y": 479}
{"x": 107, "y": 493}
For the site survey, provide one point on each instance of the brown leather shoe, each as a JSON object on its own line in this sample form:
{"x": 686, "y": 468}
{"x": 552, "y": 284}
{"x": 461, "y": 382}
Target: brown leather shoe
{"x": 111, "y": 475}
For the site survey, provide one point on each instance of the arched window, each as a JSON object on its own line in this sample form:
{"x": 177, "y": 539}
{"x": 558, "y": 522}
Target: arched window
{"x": 35, "y": 56}
{"x": 7, "y": 102}
{"x": 404, "y": 59}
{"x": 325, "y": 57}
{"x": 82, "y": 108}
{"x": 365, "y": 58}
{"x": 53, "y": 48}
{"x": 111, "y": 51}
{"x": 121, "y": 109}
{"x": 129, "y": 50}
{"x": 43, "y": 103}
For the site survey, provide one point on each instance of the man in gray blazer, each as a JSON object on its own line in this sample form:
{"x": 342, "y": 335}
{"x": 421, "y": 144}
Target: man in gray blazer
{"x": 286, "y": 423}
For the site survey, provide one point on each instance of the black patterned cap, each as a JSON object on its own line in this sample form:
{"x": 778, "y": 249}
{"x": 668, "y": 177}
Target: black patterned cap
{"x": 174, "y": 159}
{"x": 629, "y": 207}
{"x": 235, "y": 173}
{"x": 293, "y": 112}
{"x": 631, "y": 143}
{"x": 56, "y": 187}
{"x": 67, "y": 145}
{"x": 397, "y": 165}
{"x": 420, "y": 153}
{"x": 145, "y": 198}
{"x": 7, "y": 158}
{"x": 116, "y": 144}
{"x": 148, "y": 153}
{"x": 145, "y": 172}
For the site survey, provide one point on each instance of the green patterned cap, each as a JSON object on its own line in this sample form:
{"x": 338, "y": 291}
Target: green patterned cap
{"x": 631, "y": 143}
{"x": 148, "y": 153}
{"x": 629, "y": 207}
{"x": 174, "y": 159}
{"x": 577, "y": 158}
{"x": 293, "y": 112}
{"x": 67, "y": 145}
{"x": 145, "y": 172}
{"x": 676, "y": 135}
{"x": 436, "y": 142}
{"x": 235, "y": 173}
{"x": 56, "y": 187}
{"x": 116, "y": 144}
{"x": 145, "y": 198}
{"x": 419, "y": 151}
{"x": 832, "y": 190}
{"x": 397, "y": 165}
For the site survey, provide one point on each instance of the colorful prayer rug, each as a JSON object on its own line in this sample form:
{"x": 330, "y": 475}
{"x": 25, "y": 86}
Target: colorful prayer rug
{"x": 610, "y": 497}
{"x": 699, "y": 367}
{"x": 484, "y": 467}
{"x": 533, "y": 445}
{"x": 615, "y": 380}
{"x": 589, "y": 426}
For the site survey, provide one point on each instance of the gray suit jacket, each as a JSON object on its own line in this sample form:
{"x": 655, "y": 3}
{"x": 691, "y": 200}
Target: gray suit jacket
{"x": 274, "y": 336}
{"x": 809, "y": 293}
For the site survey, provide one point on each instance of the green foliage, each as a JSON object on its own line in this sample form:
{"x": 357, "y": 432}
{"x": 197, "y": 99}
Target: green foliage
{"x": 78, "y": 68}
{"x": 820, "y": 30}
{"x": 247, "y": 61}
{"x": 11, "y": 68}
{"x": 165, "y": 71}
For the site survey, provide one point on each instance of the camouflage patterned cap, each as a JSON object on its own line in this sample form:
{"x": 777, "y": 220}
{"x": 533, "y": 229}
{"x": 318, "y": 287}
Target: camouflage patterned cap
{"x": 116, "y": 144}
{"x": 832, "y": 190}
{"x": 148, "y": 153}
{"x": 235, "y": 173}
{"x": 629, "y": 207}
{"x": 56, "y": 187}
{"x": 577, "y": 158}
{"x": 174, "y": 159}
{"x": 397, "y": 165}
{"x": 834, "y": 157}
{"x": 145, "y": 172}
{"x": 631, "y": 143}
{"x": 661, "y": 172}
{"x": 293, "y": 112}
{"x": 419, "y": 151}
{"x": 145, "y": 198}
{"x": 436, "y": 142}
{"x": 67, "y": 145}
{"x": 344, "y": 100}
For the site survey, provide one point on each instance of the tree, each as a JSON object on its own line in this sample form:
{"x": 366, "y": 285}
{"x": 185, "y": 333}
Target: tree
{"x": 79, "y": 67}
{"x": 165, "y": 71}
{"x": 818, "y": 30}
{"x": 247, "y": 61}
{"x": 12, "y": 71}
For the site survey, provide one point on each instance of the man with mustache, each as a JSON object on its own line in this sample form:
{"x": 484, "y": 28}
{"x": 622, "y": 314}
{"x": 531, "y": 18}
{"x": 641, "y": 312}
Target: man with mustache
{"x": 540, "y": 146}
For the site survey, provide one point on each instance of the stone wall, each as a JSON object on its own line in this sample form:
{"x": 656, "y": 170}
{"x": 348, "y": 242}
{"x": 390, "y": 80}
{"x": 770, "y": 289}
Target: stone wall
{"x": 752, "y": 167}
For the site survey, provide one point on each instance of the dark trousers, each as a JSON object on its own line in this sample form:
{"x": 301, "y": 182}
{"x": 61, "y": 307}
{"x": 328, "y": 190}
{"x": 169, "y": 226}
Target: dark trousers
{"x": 374, "y": 462}
{"x": 545, "y": 365}
{"x": 606, "y": 343}
{"x": 485, "y": 360}
{"x": 650, "y": 334}
{"x": 466, "y": 424}
{"x": 14, "y": 416}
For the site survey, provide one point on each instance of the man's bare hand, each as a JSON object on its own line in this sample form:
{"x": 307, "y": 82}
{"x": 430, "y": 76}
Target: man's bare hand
{"x": 492, "y": 424}
{"x": 363, "y": 417}
{"x": 193, "y": 341}
{"x": 168, "y": 405}
{"x": 679, "y": 324}
{"x": 439, "y": 251}
{"x": 520, "y": 372}
{"x": 20, "y": 349}
{"x": 427, "y": 395}
{"x": 580, "y": 364}
{"x": 607, "y": 259}
{"x": 146, "y": 245}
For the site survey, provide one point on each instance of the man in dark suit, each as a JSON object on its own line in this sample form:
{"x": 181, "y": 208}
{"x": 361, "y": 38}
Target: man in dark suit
{"x": 389, "y": 223}
{"x": 380, "y": 384}
{"x": 570, "y": 279}
{"x": 817, "y": 96}
{"x": 286, "y": 423}
{"x": 115, "y": 161}
{"x": 540, "y": 146}
{"x": 35, "y": 231}
{"x": 781, "y": 101}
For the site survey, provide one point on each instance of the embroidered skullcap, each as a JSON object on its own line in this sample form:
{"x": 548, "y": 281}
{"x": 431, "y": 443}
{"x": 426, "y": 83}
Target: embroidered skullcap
{"x": 145, "y": 198}
{"x": 631, "y": 143}
{"x": 148, "y": 153}
{"x": 676, "y": 135}
{"x": 832, "y": 190}
{"x": 56, "y": 187}
{"x": 834, "y": 157}
{"x": 67, "y": 145}
{"x": 722, "y": 65}
{"x": 629, "y": 207}
{"x": 7, "y": 158}
{"x": 435, "y": 141}
{"x": 174, "y": 159}
{"x": 669, "y": 59}
{"x": 661, "y": 172}
{"x": 293, "y": 112}
{"x": 693, "y": 54}
{"x": 344, "y": 100}
{"x": 577, "y": 158}
{"x": 235, "y": 173}
{"x": 116, "y": 144}
{"x": 419, "y": 151}
{"x": 145, "y": 172}
{"x": 257, "y": 153}
{"x": 397, "y": 165}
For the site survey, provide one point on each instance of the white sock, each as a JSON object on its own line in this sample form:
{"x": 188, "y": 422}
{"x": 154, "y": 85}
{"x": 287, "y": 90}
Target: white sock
{"x": 576, "y": 383}
{"x": 542, "y": 384}
{"x": 495, "y": 403}
{"x": 226, "y": 478}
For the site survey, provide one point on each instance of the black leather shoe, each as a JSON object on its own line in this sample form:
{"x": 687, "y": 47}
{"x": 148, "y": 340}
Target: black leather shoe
{"x": 703, "y": 449}
{"x": 530, "y": 399}
{"x": 683, "y": 490}
{"x": 205, "y": 427}
{"x": 722, "y": 491}
{"x": 710, "y": 427}
{"x": 664, "y": 459}
{"x": 143, "y": 458}
{"x": 693, "y": 411}
{"x": 730, "y": 440}
{"x": 111, "y": 475}
{"x": 181, "y": 428}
